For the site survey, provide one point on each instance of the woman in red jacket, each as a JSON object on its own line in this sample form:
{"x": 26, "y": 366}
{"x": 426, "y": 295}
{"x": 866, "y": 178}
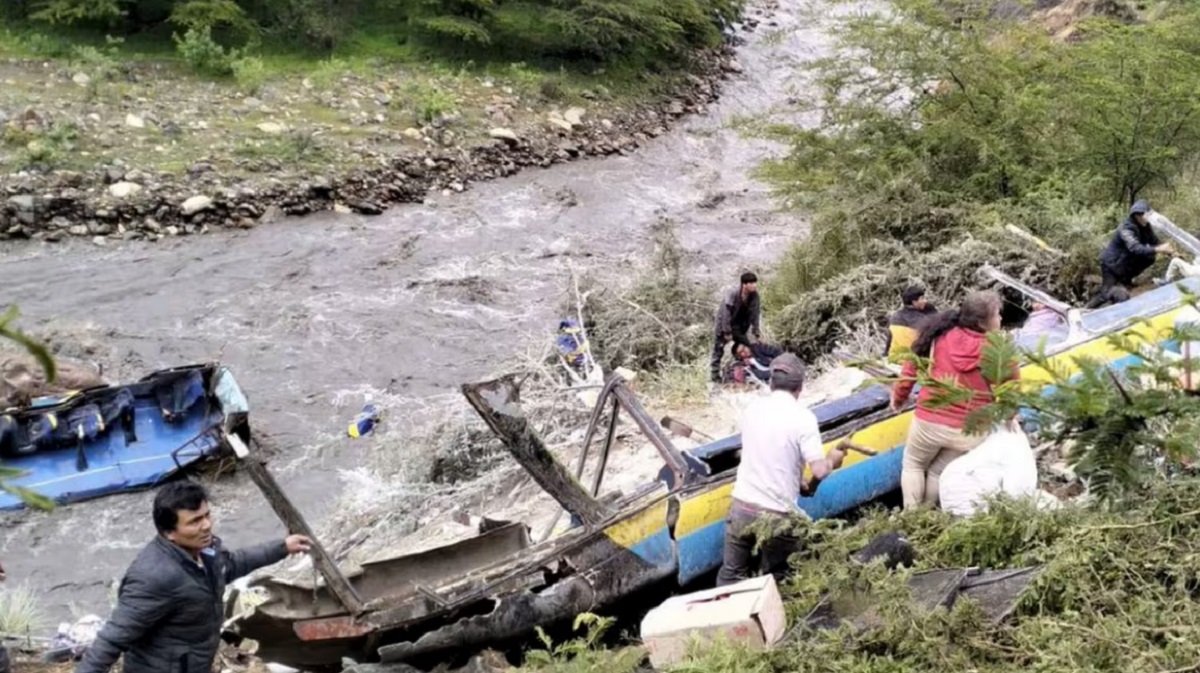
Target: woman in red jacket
{"x": 953, "y": 342}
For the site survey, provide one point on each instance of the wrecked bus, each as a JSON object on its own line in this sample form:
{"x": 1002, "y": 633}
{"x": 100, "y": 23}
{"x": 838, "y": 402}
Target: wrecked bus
{"x": 498, "y": 586}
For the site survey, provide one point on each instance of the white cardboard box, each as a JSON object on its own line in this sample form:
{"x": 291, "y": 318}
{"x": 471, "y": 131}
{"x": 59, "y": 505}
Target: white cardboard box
{"x": 749, "y": 612}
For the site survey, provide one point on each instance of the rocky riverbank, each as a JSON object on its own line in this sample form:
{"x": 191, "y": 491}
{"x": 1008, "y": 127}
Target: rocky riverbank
{"x": 301, "y": 165}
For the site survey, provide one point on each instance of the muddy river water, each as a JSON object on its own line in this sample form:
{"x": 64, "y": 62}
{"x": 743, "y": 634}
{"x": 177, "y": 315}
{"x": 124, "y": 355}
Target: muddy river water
{"x": 311, "y": 312}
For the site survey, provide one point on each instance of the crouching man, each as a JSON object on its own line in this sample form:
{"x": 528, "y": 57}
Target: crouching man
{"x": 780, "y": 436}
{"x": 169, "y": 608}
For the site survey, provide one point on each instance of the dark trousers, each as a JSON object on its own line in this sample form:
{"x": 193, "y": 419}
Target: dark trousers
{"x": 1112, "y": 289}
{"x": 717, "y": 353}
{"x": 738, "y": 554}
{"x": 739, "y": 333}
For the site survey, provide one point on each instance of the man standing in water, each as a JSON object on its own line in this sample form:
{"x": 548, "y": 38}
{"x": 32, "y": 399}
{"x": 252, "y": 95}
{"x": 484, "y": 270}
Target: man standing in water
{"x": 169, "y": 608}
{"x": 737, "y": 316}
{"x": 780, "y": 435}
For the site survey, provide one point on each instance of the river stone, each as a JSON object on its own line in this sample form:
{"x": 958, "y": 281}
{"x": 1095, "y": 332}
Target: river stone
{"x": 78, "y": 230}
{"x": 23, "y": 202}
{"x": 124, "y": 189}
{"x": 82, "y": 79}
{"x": 100, "y": 241}
{"x": 196, "y": 204}
{"x": 134, "y": 121}
{"x": 505, "y": 134}
{"x": 272, "y": 214}
{"x": 574, "y": 116}
{"x": 559, "y": 122}
{"x": 412, "y": 134}
{"x": 271, "y": 128}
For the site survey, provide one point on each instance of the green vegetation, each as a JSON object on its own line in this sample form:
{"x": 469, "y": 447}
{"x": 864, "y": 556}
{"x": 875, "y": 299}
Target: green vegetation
{"x": 21, "y": 613}
{"x": 1117, "y": 593}
{"x": 372, "y": 79}
{"x": 948, "y": 125}
{"x": 213, "y": 35}
{"x": 585, "y": 654}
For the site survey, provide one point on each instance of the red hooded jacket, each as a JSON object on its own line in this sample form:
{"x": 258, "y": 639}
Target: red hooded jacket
{"x": 956, "y": 356}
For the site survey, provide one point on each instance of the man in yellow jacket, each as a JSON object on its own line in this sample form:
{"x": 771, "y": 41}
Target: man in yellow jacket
{"x": 903, "y": 324}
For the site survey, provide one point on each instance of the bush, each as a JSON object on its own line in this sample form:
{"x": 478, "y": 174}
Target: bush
{"x": 599, "y": 30}
{"x": 203, "y": 54}
{"x": 663, "y": 318}
{"x": 1113, "y": 595}
{"x": 644, "y": 31}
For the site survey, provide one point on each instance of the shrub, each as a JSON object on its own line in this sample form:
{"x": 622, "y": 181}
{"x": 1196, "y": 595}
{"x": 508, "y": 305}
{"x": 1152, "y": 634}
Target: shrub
{"x": 203, "y": 54}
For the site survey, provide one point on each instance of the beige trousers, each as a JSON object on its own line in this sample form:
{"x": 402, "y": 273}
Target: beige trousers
{"x": 929, "y": 449}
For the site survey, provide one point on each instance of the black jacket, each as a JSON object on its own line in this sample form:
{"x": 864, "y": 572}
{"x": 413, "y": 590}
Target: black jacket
{"x": 169, "y": 610}
{"x": 737, "y": 317}
{"x": 1131, "y": 250}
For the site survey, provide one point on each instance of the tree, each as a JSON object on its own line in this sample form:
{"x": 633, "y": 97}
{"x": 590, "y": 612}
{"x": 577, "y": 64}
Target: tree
{"x": 80, "y": 11}
{"x": 1131, "y": 98}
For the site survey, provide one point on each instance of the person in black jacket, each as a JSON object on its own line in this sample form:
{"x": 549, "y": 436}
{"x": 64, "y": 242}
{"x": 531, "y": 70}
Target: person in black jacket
{"x": 1132, "y": 250}
{"x": 738, "y": 317}
{"x": 170, "y": 603}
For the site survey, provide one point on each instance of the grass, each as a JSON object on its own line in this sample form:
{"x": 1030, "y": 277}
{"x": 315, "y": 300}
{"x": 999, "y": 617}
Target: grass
{"x": 364, "y": 53}
{"x": 677, "y": 385}
{"x": 338, "y": 103}
{"x": 20, "y": 612}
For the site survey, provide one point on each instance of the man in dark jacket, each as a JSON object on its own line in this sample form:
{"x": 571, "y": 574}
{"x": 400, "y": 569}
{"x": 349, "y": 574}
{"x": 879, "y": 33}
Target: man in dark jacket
{"x": 1132, "y": 250}
{"x": 170, "y": 605}
{"x": 902, "y": 325}
{"x": 737, "y": 316}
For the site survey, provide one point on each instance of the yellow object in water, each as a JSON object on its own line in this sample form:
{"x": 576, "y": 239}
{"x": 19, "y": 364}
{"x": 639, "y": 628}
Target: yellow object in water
{"x": 365, "y": 422}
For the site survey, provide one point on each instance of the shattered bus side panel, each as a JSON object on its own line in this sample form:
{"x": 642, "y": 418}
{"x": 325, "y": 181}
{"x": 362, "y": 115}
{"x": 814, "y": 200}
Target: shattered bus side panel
{"x": 628, "y": 556}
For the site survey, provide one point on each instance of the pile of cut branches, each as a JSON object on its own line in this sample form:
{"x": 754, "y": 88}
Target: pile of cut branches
{"x": 814, "y": 322}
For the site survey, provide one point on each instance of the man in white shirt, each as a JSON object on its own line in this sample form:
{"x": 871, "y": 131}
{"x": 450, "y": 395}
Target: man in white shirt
{"x": 779, "y": 437}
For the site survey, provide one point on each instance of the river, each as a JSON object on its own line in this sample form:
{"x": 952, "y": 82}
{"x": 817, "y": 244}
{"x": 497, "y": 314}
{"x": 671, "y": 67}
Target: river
{"x": 310, "y": 312}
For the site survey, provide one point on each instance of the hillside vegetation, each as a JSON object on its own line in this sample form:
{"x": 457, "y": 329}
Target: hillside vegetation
{"x": 575, "y": 33}
{"x": 941, "y": 122}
